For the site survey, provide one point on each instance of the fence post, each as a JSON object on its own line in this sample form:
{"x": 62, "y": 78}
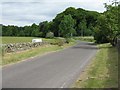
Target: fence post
{"x": 118, "y": 47}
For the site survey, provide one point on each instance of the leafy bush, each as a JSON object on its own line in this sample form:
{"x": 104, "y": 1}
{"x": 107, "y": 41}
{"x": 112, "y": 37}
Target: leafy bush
{"x": 59, "y": 42}
{"x": 50, "y": 35}
{"x": 67, "y": 40}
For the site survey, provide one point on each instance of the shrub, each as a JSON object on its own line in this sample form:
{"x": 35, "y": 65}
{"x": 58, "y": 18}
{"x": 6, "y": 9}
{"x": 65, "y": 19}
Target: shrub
{"x": 68, "y": 40}
{"x": 50, "y": 35}
{"x": 59, "y": 42}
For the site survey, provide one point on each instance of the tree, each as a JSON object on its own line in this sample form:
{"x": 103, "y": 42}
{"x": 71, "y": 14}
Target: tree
{"x": 44, "y": 28}
{"x": 82, "y": 27}
{"x": 107, "y": 24}
{"x": 66, "y": 26}
{"x": 35, "y": 33}
{"x": 82, "y": 18}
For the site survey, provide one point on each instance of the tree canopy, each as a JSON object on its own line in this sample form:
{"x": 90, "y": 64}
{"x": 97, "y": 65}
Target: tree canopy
{"x": 66, "y": 27}
{"x": 107, "y": 28}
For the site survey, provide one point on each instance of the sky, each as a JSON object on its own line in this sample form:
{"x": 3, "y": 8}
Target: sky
{"x": 27, "y": 12}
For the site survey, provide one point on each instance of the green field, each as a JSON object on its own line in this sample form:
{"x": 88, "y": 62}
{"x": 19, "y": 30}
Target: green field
{"x": 85, "y": 38}
{"x": 103, "y": 70}
{"x": 6, "y": 40}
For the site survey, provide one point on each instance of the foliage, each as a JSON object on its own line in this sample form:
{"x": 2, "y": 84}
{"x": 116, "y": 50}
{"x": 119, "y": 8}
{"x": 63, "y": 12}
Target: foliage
{"x": 59, "y": 41}
{"x": 44, "y": 28}
{"x": 12, "y": 30}
{"x": 100, "y": 32}
{"x": 66, "y": 26}
{"x": 87, "y": 38}
{"x": 107, "y": 29}
{"x": 50, "y": 35}
{"x": 83, "y": 21}
{"x": 81, "y": 17}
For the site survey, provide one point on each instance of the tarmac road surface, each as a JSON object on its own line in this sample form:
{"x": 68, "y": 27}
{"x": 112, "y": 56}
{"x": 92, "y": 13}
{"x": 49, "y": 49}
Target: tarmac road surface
{"x": 54, "y": 70}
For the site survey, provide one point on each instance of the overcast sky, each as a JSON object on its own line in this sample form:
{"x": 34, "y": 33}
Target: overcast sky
{"x": 26, "y": 12}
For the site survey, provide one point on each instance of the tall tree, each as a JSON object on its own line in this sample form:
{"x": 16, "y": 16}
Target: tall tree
{"x": 44, "y": 28}
{"x": 82, "y": 27}
{"x": 108, "y": 25}
{"x": 66, "y": 26}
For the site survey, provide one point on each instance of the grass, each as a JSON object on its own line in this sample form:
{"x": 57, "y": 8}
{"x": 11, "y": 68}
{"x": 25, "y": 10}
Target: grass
{"x": 6, "y": 40}
{"x": 16, "y": 57}
{"x": 86, "y": 38}
{"x": 103, "y": 70}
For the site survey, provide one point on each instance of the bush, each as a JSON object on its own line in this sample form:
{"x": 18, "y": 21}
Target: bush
{"x": 50, "y": 35}
{"x": 59, "y": 42}
{"x": 68, "y": 40}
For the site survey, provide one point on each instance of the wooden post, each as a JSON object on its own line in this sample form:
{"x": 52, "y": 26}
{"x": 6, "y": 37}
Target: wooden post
{"x": 118, "y": 46}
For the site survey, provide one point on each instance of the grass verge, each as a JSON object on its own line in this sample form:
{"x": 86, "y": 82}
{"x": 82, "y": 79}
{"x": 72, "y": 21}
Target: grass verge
{"x": 19, "y": 56}
{"x": 103, "y": 70}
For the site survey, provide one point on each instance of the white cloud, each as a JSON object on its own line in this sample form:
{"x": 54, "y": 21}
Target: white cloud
{"x": 33, "y": 11}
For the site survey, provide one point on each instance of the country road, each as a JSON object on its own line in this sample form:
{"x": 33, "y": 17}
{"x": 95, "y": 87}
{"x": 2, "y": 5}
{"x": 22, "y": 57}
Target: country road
{"x": 54, "y": 70}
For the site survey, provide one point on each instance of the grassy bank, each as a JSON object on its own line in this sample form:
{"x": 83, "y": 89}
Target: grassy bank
{"x": 19, "y": 56}
{"x": 103, "y": 70}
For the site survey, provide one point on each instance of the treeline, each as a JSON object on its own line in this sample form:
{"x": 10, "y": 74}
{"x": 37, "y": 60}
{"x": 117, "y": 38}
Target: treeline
{"x": 83, "y": 20}
{"x": 12, "y": 30}
{"x": 75, "y": 22}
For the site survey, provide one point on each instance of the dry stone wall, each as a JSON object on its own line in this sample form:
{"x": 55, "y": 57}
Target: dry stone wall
{"x": 8, "y": 48}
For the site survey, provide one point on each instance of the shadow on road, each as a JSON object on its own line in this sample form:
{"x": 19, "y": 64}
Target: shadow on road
{"x": 85, "y": 45}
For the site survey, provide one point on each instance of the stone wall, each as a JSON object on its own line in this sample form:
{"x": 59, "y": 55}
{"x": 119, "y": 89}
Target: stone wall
{"x": 8, "y": 48}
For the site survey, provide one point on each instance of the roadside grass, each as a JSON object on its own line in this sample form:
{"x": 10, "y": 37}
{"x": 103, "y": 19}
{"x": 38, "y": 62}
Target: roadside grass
{"x": 10, "y": 58}
{"x": 103, "y": 70}
{"x": 85, "y": 38}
